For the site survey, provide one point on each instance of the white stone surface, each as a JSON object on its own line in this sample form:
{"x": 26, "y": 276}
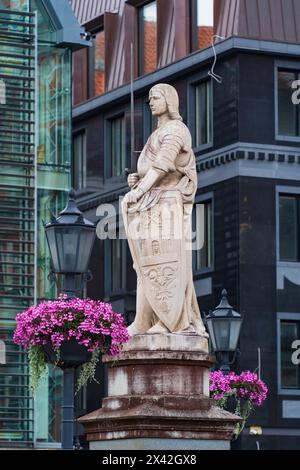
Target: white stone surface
{"x": 157, "y": 219}
{"x": 167, "y": 342}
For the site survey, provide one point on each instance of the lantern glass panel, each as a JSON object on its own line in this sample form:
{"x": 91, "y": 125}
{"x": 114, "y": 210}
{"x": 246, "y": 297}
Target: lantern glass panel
{"x": 67, "y": 239}
{"x": 235, "y": 326}
{"x": 211, "y": 333}
{"x": 50, "y": 234}
{"x": 86, "y": 242}
{"x": 222, "y": 331}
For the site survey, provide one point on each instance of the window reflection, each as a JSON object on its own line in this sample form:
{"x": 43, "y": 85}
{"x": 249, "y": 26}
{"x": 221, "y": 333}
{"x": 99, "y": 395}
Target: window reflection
{"x": 118, "y": 148}
{"x": 290, "y": 373}
{"x": 79, "y": 161}
{"x": 203, "y": 113}
{"x": 203, "y": 227}
{"x": 118, "y": 264}
{"x": 289, "y": 219}
{"x": 99, "y": 63}
{"x": 19, "y": 5}
{"x": 54, "y": 106}
{"x": 288, "y": 113}
{"x": 148, "y": 38}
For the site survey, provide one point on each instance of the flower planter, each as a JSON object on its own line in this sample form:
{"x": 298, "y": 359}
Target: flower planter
{"x": 71, "y": 354}
{"x": 67, "y": 324}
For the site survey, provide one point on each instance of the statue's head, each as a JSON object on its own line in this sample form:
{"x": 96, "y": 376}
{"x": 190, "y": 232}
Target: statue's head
{"x": 170, "y": 102}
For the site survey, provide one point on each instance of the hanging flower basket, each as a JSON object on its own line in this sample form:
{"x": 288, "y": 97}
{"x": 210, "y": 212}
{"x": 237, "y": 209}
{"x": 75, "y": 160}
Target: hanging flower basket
{"x": 68, "y": 333}
{"x": 240, "y": 394}
{"x": 71, "y": 354}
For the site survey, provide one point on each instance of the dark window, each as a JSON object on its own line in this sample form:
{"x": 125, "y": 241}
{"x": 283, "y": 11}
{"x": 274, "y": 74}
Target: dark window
{"x": 118, "y": 264}
{"x": 118, "y": 146}
{"x": 288, "y": 112}
{"x": 290, "y": 373}
{"x": 203, "y": 113}
{"x": 97, "y": 64}
{"x": 149, "y": 122}
{"x": 289, "y": 227}
{"x": 147, "y": 38}
{"x": 79, "y": 161}
{"x": 202, "y": 23}
{"x": 203, "y": 228}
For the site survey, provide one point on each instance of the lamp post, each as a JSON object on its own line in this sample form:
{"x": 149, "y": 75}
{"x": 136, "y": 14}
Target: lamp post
{"x": 70, "y": 239}
{"x": 224, "y": 326}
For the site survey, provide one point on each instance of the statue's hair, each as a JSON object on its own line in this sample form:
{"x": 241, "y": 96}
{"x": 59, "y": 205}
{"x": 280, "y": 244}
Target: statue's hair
{"x": 171, "y": 97}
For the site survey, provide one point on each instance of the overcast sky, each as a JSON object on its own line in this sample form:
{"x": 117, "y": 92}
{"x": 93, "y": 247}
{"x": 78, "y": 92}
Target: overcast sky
{"x": 205, "y": 12}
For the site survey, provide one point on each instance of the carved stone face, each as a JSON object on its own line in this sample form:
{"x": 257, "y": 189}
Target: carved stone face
{"x": 157, "y": 103}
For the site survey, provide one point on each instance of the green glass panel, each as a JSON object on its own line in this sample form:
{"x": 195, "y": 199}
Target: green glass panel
{"x": 54, "y": 107}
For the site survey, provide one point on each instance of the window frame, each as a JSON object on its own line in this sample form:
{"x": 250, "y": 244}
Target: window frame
{"x": 288, "y": 65}
{"x": 191, "y": 109}
{"x": 108, "y": 281}
{"x": 281, "y": 316}
{"x": 107, "y": 173}
{"x": 147, "y": 121}
{"x": 82, "y": 132}
{"x": 202, "y": 199}
{"x": 121, "y": 289}
{"x": 288, "y": 190}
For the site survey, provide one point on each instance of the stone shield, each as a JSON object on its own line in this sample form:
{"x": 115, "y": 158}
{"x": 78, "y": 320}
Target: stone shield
{"x": 156, "y": 238}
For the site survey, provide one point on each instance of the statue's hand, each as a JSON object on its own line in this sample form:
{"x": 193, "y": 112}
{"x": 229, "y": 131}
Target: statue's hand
{"x": 132, "y": 179}
{"x": 133, "y": 196}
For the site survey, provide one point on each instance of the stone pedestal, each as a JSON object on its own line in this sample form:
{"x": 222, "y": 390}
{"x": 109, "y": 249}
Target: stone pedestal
{"x": 158, "y": 398}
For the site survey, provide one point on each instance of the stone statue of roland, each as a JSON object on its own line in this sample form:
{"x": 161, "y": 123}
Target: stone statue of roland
{"x": 157, "y": 218}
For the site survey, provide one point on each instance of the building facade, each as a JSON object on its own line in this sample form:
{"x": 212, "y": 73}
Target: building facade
{"x": 244, "y": 117}
{"x": 36, "y": 43}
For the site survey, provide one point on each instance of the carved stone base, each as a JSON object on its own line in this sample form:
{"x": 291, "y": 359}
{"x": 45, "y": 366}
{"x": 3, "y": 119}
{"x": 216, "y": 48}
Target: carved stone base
{"x": 159, "y": 388}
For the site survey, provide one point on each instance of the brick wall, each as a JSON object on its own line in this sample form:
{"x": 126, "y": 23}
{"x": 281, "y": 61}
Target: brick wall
{"x": 205, "y": 35}
{"x": 150, "y": 37}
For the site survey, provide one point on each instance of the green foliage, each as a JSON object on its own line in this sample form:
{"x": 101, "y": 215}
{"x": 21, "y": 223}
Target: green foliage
{"x": 88, "y": 371}
{"x": 243, "y": 410}
{"x": 37, "y": 365}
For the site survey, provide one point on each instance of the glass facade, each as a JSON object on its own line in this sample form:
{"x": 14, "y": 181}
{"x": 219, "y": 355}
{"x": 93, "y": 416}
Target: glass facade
{"x": 34, "y": 179}
{"x": 53, "y": 180}
{"x": 17, "y": 183}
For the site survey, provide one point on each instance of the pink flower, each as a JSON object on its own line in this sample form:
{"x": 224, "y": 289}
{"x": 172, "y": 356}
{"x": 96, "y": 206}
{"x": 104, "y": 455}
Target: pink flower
{"x": 92, "y": 322}
{"x": 247, "y": 386}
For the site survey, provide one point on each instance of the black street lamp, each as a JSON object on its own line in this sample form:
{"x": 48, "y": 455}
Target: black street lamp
{"x": 70, "y": 238}
{"x": 224, "y": 326}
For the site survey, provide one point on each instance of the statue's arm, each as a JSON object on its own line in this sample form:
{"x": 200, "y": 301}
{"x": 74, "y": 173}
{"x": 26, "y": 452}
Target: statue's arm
{"x": 163, "y": 163}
